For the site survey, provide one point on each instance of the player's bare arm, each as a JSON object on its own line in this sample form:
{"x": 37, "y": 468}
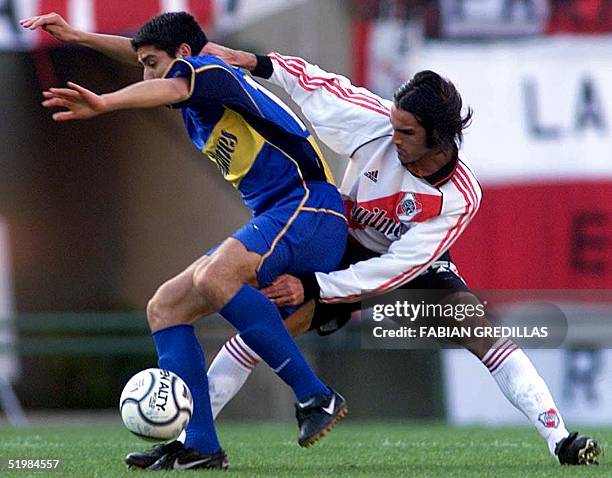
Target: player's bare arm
{"x": 113, "y": 46}
{"x": 82, "y": 103}
{"x": 239, "y": 58}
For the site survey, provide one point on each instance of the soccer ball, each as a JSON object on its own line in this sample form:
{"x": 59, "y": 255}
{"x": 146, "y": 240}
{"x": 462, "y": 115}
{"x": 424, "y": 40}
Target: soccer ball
{"x": 156, "y": 404}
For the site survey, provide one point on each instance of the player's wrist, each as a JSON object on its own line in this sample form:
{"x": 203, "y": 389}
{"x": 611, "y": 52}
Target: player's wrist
{"x": 108, "y": 102}
{"x": 250, "y": 61}
{"x": 82, "y": 38}
{"x": 263, "y": 66}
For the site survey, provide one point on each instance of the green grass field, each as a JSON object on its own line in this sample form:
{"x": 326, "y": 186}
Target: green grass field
{"x": 354, "y": 449}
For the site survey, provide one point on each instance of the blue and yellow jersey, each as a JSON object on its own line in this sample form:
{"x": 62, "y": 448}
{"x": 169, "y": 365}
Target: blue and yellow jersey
{"x": 257, "y": 143}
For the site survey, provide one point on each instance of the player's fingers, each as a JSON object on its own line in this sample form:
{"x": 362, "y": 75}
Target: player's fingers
{"x": 66, "y": 97}
{"x": 283, "y": 279}
{"x": 63, "y": 90}
{"x": 282, "y": 302}
{"x": 277, "y": 287}
{"x": 272, "y": 293}
{"x": 296, "y": 299}
{"x": 270, "y": 289}
{"x": 39, "y": 22}
{"x": 284, "y": 299}
{"x": 65, "y": 93}
{"x": 288, "y": 300}
{"x": 55, "y": 103}
{"x": 64, "y": 116}
{"x": 280, "y": 290}
{"x": 287, "y": 297}
{"x": 26, "y": 22}
{"x": 293, "y": 287}
{"x": 47, "y": 18}
{"x": 79, "y": 88}
{"x": 276, "y": 280}
{"x": 55, "y": 94}
{"x": 280, "y": 284}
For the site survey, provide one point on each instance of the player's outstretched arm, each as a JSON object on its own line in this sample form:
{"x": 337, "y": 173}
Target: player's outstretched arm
{"x": 416, "y": 249}
{"x": 239, "y": 58}
{"x": 343, "y": 115}
{"x": 82, "y": 103}
{"x": 113, "y": 46}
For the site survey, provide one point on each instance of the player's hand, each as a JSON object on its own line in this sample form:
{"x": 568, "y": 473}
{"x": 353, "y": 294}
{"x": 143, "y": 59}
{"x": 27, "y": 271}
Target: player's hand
{"x": 286, "y": 290}
{"x": 54, "y": 24}
{"x": 238, "y": 58}
{"x": 80, "y": 102}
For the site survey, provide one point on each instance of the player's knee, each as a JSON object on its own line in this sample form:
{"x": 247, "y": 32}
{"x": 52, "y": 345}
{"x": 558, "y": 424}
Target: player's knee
{"x": 154, "y": 314}
{"x": 218, "y": 282}
{"x": 203, "y": 280}
{"x": 159, "y": 310}
{"x": 210, "y": 278}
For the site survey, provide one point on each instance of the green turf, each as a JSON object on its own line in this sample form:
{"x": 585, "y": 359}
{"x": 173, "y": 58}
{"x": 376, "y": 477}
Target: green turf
{"x": 354, "y": 449}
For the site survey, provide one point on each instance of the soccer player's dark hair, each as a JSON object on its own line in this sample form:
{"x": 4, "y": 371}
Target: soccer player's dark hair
{"x": 168, "y": 31}
{"x": 436, "y": 104}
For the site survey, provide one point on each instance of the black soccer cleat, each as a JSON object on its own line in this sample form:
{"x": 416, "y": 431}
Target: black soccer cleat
{"x": 318, "y": 415}
{"x": 191, "y": 459}
{"x": 578, "y": 450}
{"x": 144, "y": 459}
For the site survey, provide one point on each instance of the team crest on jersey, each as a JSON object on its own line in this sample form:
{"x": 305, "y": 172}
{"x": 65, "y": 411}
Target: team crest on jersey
{"x": 409, "y": 207}
{"x": 549, "y": 418}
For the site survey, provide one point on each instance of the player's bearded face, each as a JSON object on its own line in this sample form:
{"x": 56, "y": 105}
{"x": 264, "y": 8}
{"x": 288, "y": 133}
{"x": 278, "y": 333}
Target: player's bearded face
{"x": 154, "y": 61}
{"x": 409, "y": 137}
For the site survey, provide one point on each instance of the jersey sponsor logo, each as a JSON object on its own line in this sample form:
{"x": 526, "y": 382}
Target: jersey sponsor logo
{"x": 377, "y": 218}
{"x": 233, "y": 146}
{"x": 372, "y": 175}
{"x": 222, "y": 154}
{"x": 393, "y": 215}
{"x": 549, "y": 418}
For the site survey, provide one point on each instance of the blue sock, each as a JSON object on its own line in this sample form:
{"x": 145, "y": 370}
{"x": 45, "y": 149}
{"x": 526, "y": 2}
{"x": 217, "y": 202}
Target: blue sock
{"x": 261, "y": 327}
{"x": 178, "y": 350}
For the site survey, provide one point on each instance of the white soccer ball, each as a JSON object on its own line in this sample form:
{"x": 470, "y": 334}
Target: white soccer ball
{"x": 156, "y": 404}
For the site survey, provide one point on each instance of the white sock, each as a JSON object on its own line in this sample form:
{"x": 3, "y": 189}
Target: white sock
{"x": 520, "y": 382}
{"x": 227, "y": 373}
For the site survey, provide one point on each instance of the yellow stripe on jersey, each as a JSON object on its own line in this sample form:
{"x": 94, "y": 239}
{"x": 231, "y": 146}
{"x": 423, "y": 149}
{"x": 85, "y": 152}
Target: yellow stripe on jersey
{"x": 233, "y": 146}
{"x": 328, "y": 174}
{"x": 293, "y": 216}
{"x": 325, "y": 211}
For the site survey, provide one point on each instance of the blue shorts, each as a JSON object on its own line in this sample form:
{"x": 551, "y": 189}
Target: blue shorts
{"x": 298, "y": 238}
